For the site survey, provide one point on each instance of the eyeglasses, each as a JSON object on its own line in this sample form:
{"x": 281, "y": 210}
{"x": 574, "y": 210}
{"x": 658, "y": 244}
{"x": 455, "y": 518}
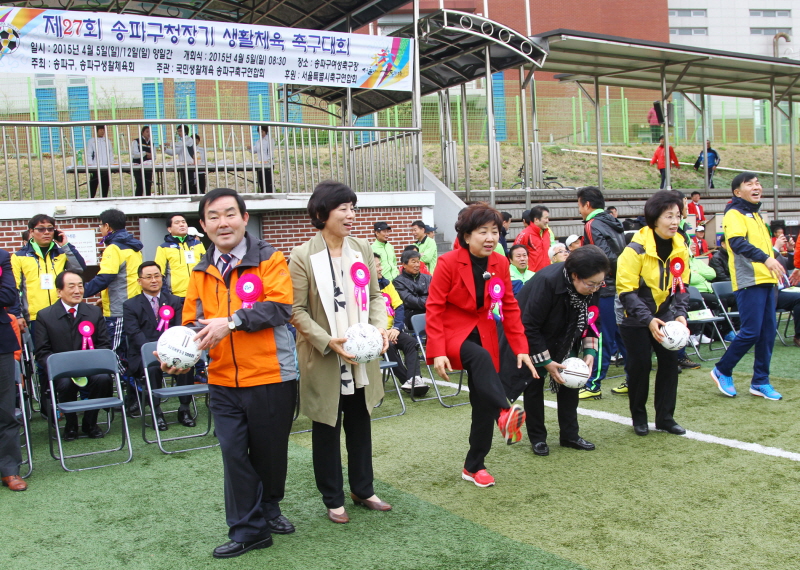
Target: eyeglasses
{"x": 44, "y": 230}
{"x": 593, "y": 286}
{"x": 670, "y": 218}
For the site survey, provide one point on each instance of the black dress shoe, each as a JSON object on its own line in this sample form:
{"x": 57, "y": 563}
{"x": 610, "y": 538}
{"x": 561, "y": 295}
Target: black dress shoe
{"x": 94, "y": 432}
{"x": 673, "y": 429}
{"x": 280, "y": 525}
{"x": 641, "y": 429}
{"x": 161, "y": 423}
{"x": 540, "y": 448}
{"x": 579, "y": 443}
{"x": 185, "y": 418}
{"x": 70, "y": 433}
{"x": 133, "y": 409}
{"x": 233, "y": 548}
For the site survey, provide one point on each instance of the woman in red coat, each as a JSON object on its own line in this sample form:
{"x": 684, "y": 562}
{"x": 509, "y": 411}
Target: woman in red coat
{"x": 469, "y": 341}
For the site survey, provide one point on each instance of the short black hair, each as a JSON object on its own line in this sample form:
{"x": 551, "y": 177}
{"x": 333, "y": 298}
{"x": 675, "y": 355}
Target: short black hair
{"x": 659, "y": 203}
{"x": 526, "y": 217}
{"x": 408, "y": 255}
{"x": 264, "y": 129}
{"x": 186, "y": 130}
{"x": 143, "y": 128}
{"x": 418, "y": 223}
{"x": 145, "y": 265}
{"x": 681, "y": 195}
{"x": 537, "y": 211}
{"x": 506, "y": 216}
{"x": 38, "y": 219}
{"x": 217, "y": 193}
{"x": 608, "y": 209}
{"x": 375, "y": 255}
{"x": 593, "y": 196}
{"x": 474, "y": 217}
{"x": 514, "y": 248}
{"x": 693, "y": 194}
{"x": 411, "y": 247}
{"x": 740, "y": 179}
{"x": 114, "y": 218}
{"x": 327, "y": 196}
{"x": 60, "y": 277}
{"x": 171, "y": 216}
{"x": 98, "y": 127}
{"x": 586, "y": 261}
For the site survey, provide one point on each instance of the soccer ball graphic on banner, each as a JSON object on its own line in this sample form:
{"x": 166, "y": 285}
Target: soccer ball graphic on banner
{"x": 177, "y": 348}
{"x": 675, "y": 335}
{"x": 364, "y": 341}
{"x": 9, "y": 39}
{"x": 576, "y": 373}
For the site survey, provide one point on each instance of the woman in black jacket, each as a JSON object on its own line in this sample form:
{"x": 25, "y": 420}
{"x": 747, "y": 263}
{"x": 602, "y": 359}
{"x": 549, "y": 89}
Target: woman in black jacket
{"x": 561, "y": 316}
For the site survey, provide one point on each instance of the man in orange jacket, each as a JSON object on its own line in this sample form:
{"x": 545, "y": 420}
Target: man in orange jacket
{"x": 241, "y": 294}
{"x": 660, "y": 160}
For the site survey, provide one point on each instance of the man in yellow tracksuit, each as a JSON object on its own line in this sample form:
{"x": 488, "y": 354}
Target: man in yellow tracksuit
{"x": 754, "y": 275}
{"x": 178, "y": 255}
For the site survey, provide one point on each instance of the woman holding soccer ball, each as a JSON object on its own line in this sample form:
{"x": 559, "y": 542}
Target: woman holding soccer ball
{"x": 652, "y": 280}
{"x": 335, "y": 288}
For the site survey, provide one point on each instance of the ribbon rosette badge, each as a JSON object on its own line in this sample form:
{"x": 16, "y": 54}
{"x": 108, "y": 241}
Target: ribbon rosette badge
{"x": 676, "y": 268}
{"x": 497, "y": 289}
{"x": 389, "y": 309}
{"x": 87, "y": 330}
{"x": 165, "y": 314}
{"x": 592, "y": 313}
{"x": 249, "y": 289}
{"x": 359, "y": 273}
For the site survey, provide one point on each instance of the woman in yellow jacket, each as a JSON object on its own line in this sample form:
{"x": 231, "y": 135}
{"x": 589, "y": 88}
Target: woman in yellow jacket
{"x": 652, "y": 276}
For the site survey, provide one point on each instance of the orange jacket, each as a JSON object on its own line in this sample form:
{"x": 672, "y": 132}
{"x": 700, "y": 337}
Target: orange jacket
{"x": 660, "y": 160}
{"x": 261, "y": 349}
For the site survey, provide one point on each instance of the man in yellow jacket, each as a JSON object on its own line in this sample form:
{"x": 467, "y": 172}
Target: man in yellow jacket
{"x": 754, "y": 273}
{"x": 178, "y": 255}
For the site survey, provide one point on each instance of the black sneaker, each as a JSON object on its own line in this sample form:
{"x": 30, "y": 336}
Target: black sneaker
{"x": 688, "y": 363}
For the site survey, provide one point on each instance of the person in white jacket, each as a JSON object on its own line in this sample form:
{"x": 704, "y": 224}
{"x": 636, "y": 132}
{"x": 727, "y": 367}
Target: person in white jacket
{"x": 142, "y": 152}
{"x": 200, "y": 160}
{"x": 99, "y": 153}
{"x": 263, "y": 151}
{"x": 184, "y": 152}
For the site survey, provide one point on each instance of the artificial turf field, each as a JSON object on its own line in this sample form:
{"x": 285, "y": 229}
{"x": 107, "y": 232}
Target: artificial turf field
{"x": 638, "y": 503}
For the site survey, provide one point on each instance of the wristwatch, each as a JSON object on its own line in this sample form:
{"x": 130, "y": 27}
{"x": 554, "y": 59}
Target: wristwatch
{"x": 231, "y": 324}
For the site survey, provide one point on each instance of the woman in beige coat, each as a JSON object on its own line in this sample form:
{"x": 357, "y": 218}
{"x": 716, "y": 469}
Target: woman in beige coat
{"x": 331, "y": 384}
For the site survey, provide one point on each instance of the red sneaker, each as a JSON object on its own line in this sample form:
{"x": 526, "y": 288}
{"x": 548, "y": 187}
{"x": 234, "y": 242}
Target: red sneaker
{"x": 481, "y": 478}
{"x": 510, "y": 423}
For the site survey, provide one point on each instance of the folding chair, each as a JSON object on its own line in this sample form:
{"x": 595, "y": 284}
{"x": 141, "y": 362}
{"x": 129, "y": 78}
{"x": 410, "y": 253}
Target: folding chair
{"x": 192, "y": 390}
{"x": 418, "y": 324}
{"x": 23, "y": 417}
{"x": 723, "y": 291}
{"x": 387, "y": 370}
{"x": 694, "y": 295}
{"x": 781, "y": 312}
{"x": 29, "y": 366}
{"x": 78, "y": 363}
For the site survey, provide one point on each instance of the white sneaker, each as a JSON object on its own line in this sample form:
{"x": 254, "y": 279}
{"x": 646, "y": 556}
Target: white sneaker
{"x": 407, "y": 385}
{"x": 420, "y": 381}
{"x": 705, "y": 340}
{"x": 695, "y": 339}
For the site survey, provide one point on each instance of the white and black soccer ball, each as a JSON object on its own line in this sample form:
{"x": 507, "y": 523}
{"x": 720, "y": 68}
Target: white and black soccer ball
{"x": 364, "y": 341}
{"x": 676, "y": 336}
{"x": 576, "y": 373}
{"x": 177, "y": 348}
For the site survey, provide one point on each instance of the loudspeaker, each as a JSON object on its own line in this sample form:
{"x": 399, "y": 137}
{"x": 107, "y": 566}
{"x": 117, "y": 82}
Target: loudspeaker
{"x": 660, "y": 113}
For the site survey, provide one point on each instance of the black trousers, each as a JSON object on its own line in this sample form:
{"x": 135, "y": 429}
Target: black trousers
{"x": 534, "y": 410}
{"x": 327, "y": 452}
{"x": 640, "y": 345}
{"x": 187, "y": 182}
{"x": 157, "y": 380}
{"x": 264, "y": 180}
{"x": 99, "y": 178}
{"x": 99, "y": 386}
{"x": 10, "y": 455}
{"x": 663, "y": 172}
{"x": 408, "y": 366}
{"x": 486, "y": 396}
{"x": 143, "y": 179}
{"x": 253, "y": 425}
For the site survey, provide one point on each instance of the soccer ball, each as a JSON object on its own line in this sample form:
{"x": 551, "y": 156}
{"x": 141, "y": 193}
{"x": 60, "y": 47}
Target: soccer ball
{"x": 576, "y": 373}
{"x": 675, "y": 335}
{"x": 9, "y": 40}
{"x": 364, "y": 341}
{"x": 177, "y": 348}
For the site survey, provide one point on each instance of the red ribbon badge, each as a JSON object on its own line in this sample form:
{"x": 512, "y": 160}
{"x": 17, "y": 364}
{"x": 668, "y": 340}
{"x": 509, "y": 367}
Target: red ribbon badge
{"x": 497, "y": 289}
{"x": 389, "y": 309}
{"x": 592, "y": 313}
{"x": 165, "y": 313}
{"x": 676, "y": 267}
{"x": 87, "y": 330}
{"x": 249, "y": 289}
{"x": 359, "y": 273}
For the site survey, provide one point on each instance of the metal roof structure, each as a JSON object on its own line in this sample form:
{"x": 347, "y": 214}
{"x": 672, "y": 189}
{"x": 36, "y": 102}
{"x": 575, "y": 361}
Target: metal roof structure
{"x": 307, "y": 14}
{"x": 452, "y": 52}
{"x": 625, "y": 62}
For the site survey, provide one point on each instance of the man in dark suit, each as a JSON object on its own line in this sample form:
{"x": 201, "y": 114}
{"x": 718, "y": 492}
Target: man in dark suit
{"x": 57, "y": 331}
{"x": 140, "y": 323}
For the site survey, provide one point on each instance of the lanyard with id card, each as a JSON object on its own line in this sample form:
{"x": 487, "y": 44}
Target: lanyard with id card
{"x": 46, "y": 281}
{"x": 188, "y": 256}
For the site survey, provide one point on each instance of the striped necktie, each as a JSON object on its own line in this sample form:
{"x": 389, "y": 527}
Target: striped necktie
{"x": 227, "y": 260}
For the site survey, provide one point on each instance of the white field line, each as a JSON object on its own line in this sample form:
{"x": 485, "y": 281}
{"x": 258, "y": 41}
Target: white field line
{"x": 696, "y": 435}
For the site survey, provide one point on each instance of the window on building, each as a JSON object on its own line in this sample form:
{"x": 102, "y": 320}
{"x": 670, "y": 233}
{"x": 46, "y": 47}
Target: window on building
{"x": 688, "y": 31}
{"x": 688, "y": 13}
{"x": 771, "y": 13}
{"x": 769, "y": 31}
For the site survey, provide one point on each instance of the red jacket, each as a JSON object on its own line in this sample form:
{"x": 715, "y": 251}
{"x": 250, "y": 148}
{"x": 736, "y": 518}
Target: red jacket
{"x": 451, "y": 313}
{"x": 701, "y": 244}
{"x": 537, "y": 242}
{"x": 697, "y": 210}
{"x": 658, "y": 158}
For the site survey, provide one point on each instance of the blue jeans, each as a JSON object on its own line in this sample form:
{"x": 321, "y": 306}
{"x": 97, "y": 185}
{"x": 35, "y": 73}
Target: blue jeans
{"x": 757, "y": 316}
{"x": 612, "y": 342}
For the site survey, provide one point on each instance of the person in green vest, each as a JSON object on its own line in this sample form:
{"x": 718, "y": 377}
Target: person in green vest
{"x": 385, "y": 250}
{"x": 427, "y": 247}
{"x": 520, "y": 274}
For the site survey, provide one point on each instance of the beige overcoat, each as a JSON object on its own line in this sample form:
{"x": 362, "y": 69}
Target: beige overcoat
{"x": 312, "y": 313}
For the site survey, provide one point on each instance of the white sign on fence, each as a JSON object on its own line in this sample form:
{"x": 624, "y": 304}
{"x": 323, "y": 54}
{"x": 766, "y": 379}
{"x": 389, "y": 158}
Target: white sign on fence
{"x": 127, "y": 45}
{"x": 85, "y": 241}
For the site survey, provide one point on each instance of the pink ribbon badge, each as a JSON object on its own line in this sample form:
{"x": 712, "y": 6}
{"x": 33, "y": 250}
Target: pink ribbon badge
{"x": 389, "y": 309}
{"x": 249, "y": 288}
{"x": 165, "y": 313}
{"x": 359, "y": 273}
{"x": 497, "y": 289}
{"x": 593, "y": 312}
{"x": 87, "y": 330}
